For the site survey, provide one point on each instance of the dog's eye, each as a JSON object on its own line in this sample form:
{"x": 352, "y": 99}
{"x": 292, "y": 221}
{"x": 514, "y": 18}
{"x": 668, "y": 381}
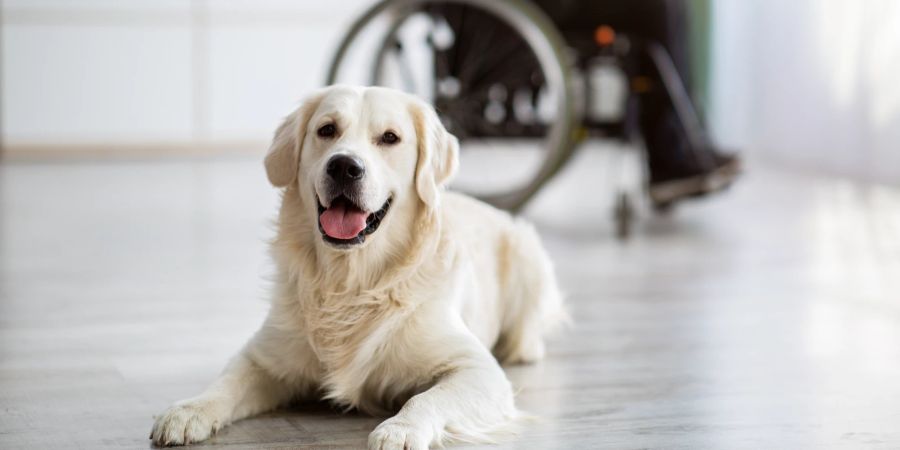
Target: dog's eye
{"x": 327, "y": 131}
{"x": 389, "y": 138}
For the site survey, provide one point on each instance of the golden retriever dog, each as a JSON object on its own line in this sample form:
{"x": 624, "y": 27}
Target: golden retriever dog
{"x": 391, "y": 295}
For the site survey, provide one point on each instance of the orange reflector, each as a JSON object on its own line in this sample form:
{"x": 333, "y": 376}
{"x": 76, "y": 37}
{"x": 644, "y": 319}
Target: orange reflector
{"x": 604, "y": 35}
{"x": 641, "y": 85}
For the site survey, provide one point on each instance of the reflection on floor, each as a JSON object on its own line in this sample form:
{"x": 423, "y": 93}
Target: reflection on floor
{"x": 768, "y": 317}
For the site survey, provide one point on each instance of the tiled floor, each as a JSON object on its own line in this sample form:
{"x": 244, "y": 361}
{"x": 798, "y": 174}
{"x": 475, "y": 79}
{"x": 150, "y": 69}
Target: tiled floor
{"x": 765, "y": 318}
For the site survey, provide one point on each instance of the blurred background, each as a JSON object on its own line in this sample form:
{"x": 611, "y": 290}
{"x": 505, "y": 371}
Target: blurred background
{"x": 810, "y": 84}
{"x": 134, "y": 214}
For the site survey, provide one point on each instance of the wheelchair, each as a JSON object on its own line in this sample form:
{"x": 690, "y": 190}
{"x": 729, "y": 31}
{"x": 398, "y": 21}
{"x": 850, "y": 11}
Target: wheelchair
{"x": 517, "y": 88}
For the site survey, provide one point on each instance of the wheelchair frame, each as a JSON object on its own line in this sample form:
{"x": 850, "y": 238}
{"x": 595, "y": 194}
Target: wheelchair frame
{"x": 548, "y": 45}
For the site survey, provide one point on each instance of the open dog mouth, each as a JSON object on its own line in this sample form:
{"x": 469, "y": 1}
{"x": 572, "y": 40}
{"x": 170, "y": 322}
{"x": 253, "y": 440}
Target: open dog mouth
{"x": 343, "y": 223}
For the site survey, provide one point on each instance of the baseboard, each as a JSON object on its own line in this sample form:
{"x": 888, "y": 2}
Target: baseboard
{"x": 128, "y": 150}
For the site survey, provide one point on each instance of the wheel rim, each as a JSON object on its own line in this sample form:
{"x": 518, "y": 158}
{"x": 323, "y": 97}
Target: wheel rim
{"x": 538, "y": 34}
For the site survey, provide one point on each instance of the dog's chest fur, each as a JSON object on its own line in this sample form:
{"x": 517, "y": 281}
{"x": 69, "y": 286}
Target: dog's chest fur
{"x": 350, "y": 316}
{"x": 352, "y": 336}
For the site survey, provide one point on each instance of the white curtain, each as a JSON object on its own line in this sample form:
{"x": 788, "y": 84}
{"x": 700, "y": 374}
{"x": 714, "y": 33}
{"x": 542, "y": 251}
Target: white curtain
{"x": 810, "y": 83}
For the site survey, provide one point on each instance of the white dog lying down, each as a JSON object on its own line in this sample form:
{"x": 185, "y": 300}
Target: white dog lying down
{"x": 390, "y": 293}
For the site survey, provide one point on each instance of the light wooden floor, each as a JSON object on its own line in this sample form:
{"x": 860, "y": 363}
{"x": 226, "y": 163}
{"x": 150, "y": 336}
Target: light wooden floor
{"x": 765, "y": 318}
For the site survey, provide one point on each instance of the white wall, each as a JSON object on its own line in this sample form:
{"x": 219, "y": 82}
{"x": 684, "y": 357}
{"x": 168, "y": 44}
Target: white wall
{"x": 137, "y": 71}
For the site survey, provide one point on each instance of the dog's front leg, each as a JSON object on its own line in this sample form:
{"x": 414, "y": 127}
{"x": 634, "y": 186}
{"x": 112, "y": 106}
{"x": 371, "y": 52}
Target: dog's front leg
{"x": 470, "y": 402}
{"x": 243, "y": 389}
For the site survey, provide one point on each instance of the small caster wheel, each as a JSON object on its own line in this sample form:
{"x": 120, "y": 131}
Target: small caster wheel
{"x": 623, "y": 215}
{"x": 663, "y": 208}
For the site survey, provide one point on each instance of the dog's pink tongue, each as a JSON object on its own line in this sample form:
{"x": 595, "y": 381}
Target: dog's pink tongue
{"x": 341, "y": 222}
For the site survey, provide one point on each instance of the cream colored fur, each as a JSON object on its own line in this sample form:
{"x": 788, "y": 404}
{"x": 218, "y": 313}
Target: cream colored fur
{"x": 417, "y": 318}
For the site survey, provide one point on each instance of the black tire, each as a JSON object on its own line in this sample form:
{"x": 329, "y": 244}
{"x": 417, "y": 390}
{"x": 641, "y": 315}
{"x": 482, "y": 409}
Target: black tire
{"x": 522, "y": 38}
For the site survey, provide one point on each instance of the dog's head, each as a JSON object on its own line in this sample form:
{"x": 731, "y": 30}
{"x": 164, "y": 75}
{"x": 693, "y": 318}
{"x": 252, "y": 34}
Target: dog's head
{"x": 359, "y": 157}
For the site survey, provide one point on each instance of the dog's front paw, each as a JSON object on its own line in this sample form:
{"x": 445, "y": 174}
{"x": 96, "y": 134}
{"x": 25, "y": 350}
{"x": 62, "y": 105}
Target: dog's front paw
{"x": 394, "y": 434}
{"x": 184, "y": 423}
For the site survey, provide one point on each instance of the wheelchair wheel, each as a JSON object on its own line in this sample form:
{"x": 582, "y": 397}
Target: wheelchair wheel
{"x": 496, "y": 72}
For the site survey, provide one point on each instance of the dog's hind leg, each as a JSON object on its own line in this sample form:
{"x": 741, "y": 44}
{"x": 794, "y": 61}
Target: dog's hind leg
{"x": 533, "y": 302}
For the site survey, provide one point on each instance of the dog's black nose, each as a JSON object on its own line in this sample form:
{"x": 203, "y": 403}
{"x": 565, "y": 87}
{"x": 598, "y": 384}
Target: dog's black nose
{"x": 345, "y": 168}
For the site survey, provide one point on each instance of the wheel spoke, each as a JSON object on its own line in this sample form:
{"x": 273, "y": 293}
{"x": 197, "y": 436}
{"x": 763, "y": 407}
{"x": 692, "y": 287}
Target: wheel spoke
{"x": 406, "y": 72}
{"x": 491, "y": 44}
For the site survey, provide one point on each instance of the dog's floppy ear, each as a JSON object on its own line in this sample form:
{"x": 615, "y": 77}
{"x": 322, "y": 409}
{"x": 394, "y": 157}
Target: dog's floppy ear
{"x": 283, "y": 158}
{"x": 438, "y": 154}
